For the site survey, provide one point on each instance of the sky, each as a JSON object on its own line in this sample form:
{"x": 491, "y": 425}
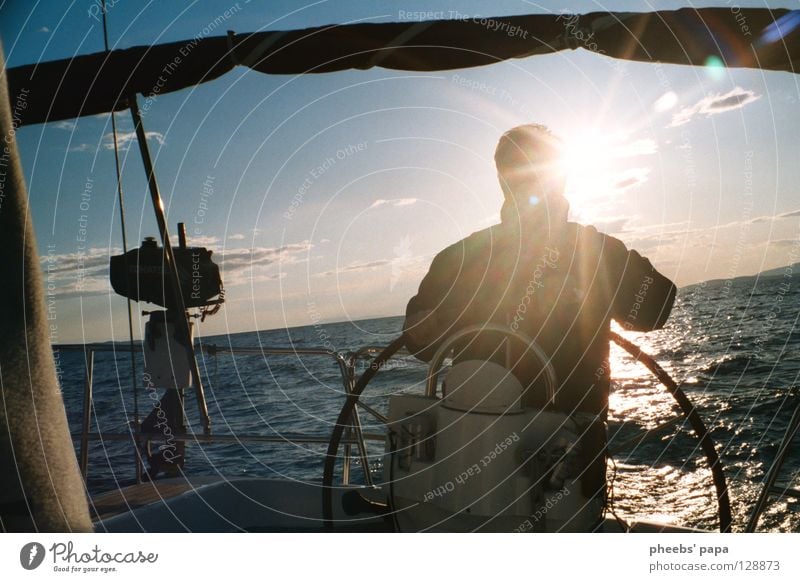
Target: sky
{"x": 325, "y": 197}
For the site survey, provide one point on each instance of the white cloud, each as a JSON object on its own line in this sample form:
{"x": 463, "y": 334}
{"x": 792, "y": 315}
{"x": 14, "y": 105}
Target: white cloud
{"x": 44, "y": 29}
{"x": 353, "y": 267}
{"x": 713, "y": 104}
{"x": 666, "y": 102}
{"x": 695, "y": 251}
{"x": 612, "y": 225}
{"x": 631, "y": 178}
{"x": 77, "y": 274}
{"x": 196, "y": 241}
{"x": 790, "y": 214}
{"x": 249, "y": 266}
{"x": 394, "y": 202}
{"x": 237, "y": 236}
{"x": 65, "y": 125}
{"x": 402, "y": 258}
{"x": 234, "y": 263}
{"x": 404, "y": 266}
{"x": 125, "y": 138}
{"x": 82, "y": 147}
{"x": 248, "y": 277}
{"x": 81, "y": 274}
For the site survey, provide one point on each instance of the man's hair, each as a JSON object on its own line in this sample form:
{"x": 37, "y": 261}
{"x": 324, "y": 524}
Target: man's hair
{"x": 531, "y": 143}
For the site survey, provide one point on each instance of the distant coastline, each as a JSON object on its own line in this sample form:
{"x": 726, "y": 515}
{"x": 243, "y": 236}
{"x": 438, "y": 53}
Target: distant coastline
{"x": 788, "y": 271}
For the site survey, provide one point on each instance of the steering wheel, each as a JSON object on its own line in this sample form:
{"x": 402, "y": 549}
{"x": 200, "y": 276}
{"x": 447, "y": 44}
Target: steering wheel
{"x": 341, "y": 421}
{"x": 707, "y": 444}
{"x": 551, "y": 383}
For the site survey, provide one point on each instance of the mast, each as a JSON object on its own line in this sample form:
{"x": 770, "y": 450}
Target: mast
{"x": 171, "y": 266}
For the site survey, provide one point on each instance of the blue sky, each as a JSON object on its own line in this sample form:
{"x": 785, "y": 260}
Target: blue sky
{"x": 327, "y": 196}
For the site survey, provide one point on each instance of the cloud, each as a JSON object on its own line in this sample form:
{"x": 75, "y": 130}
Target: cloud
{"x": 88, "y": 287}
{"x": 237, "y": 236}
{"x": 666, "y": 102}
{"x": 365, "y": 266}
{"x": 356, "y": 267}
{"x": 247, "y": 276}
{"x": 713, "y": 104}
{"x": 631, "y": 178}
{"x": 196, "y": 241}
{"x": 125, "y": 138}
{"x": 93, "y": 259}
{"x": 43, "y": 29}
{"x": 82, "y": 147}
{"x": 232, "y": 260}
{"x": 790, "y": 214}
{"x": 612, "y": 225}
{"x": 724, "y": 250}
{"x": 65, "y": 125}
{"x": 394, "y": 202}
{"x": 78, "y": 274}
{"x": 81, "y": 274}
{"x": 403, "y": 258}
{"x": 404, "y": 266}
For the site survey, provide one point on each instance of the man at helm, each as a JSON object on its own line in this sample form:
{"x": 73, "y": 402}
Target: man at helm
{"x": 558, "y": 282}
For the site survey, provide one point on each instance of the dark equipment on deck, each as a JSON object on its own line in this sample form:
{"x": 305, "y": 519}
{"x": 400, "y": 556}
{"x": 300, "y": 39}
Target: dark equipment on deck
{"x": 142, "y": 275}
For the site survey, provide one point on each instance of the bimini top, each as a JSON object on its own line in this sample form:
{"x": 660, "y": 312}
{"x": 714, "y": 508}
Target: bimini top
{"x": 100, "y": 82}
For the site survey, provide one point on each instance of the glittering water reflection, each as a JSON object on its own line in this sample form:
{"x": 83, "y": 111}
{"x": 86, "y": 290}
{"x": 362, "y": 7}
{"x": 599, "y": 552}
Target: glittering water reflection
{"x": 743, "y": 384}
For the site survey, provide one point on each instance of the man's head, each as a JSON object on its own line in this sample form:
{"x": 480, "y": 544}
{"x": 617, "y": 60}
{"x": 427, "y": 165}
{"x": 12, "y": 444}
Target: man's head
{"x": 531, "y": 175}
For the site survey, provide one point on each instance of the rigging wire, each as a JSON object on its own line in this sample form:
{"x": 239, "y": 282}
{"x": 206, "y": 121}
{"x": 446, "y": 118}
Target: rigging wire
{"x": 121, "y": 200}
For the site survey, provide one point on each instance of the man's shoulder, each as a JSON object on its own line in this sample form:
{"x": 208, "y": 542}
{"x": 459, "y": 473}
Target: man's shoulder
{"x": 472, "y": 243}
{"x": 589, "y": 235}
{"x": 585, "y": 230}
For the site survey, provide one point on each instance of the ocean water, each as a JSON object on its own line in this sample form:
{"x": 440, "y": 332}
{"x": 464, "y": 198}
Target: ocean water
{"x": 733, "y": 346}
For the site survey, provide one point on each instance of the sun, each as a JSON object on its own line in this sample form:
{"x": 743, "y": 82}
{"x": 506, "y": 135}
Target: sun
{"x": 583, "y": 155}
{"x": 598, "y": 167}
{"x": 585, "y": 162}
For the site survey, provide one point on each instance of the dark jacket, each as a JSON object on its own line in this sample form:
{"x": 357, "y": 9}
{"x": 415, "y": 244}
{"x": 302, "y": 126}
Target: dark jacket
{"x": 561, "y": 291}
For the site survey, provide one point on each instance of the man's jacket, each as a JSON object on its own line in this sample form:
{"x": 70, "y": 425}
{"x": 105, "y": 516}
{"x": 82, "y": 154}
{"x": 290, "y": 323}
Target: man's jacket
{"x": 562, "y": 291}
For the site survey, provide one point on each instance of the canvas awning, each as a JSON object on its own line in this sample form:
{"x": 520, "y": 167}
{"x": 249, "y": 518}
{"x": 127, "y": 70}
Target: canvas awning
{"x": 98, "y": 83}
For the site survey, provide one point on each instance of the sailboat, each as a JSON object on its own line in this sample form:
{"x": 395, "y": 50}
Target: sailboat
{"x": 420, "y": 465}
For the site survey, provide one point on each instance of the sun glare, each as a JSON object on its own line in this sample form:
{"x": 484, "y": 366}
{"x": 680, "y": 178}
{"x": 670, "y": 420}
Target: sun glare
{"x": 598, "y": 168}
{"x": 585, "y": 162}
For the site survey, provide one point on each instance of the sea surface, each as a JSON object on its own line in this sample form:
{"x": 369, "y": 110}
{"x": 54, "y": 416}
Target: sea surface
{"x": 733, "y": 346}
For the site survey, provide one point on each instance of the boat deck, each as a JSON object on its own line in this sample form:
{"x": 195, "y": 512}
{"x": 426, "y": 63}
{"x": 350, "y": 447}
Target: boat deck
{"x": 133, "y": 497}
{"x": 217, "y": 504}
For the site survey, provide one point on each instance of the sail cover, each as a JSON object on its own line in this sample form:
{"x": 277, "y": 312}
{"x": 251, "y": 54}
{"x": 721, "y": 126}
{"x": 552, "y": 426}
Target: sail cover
{"x": 99, "y": 83}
